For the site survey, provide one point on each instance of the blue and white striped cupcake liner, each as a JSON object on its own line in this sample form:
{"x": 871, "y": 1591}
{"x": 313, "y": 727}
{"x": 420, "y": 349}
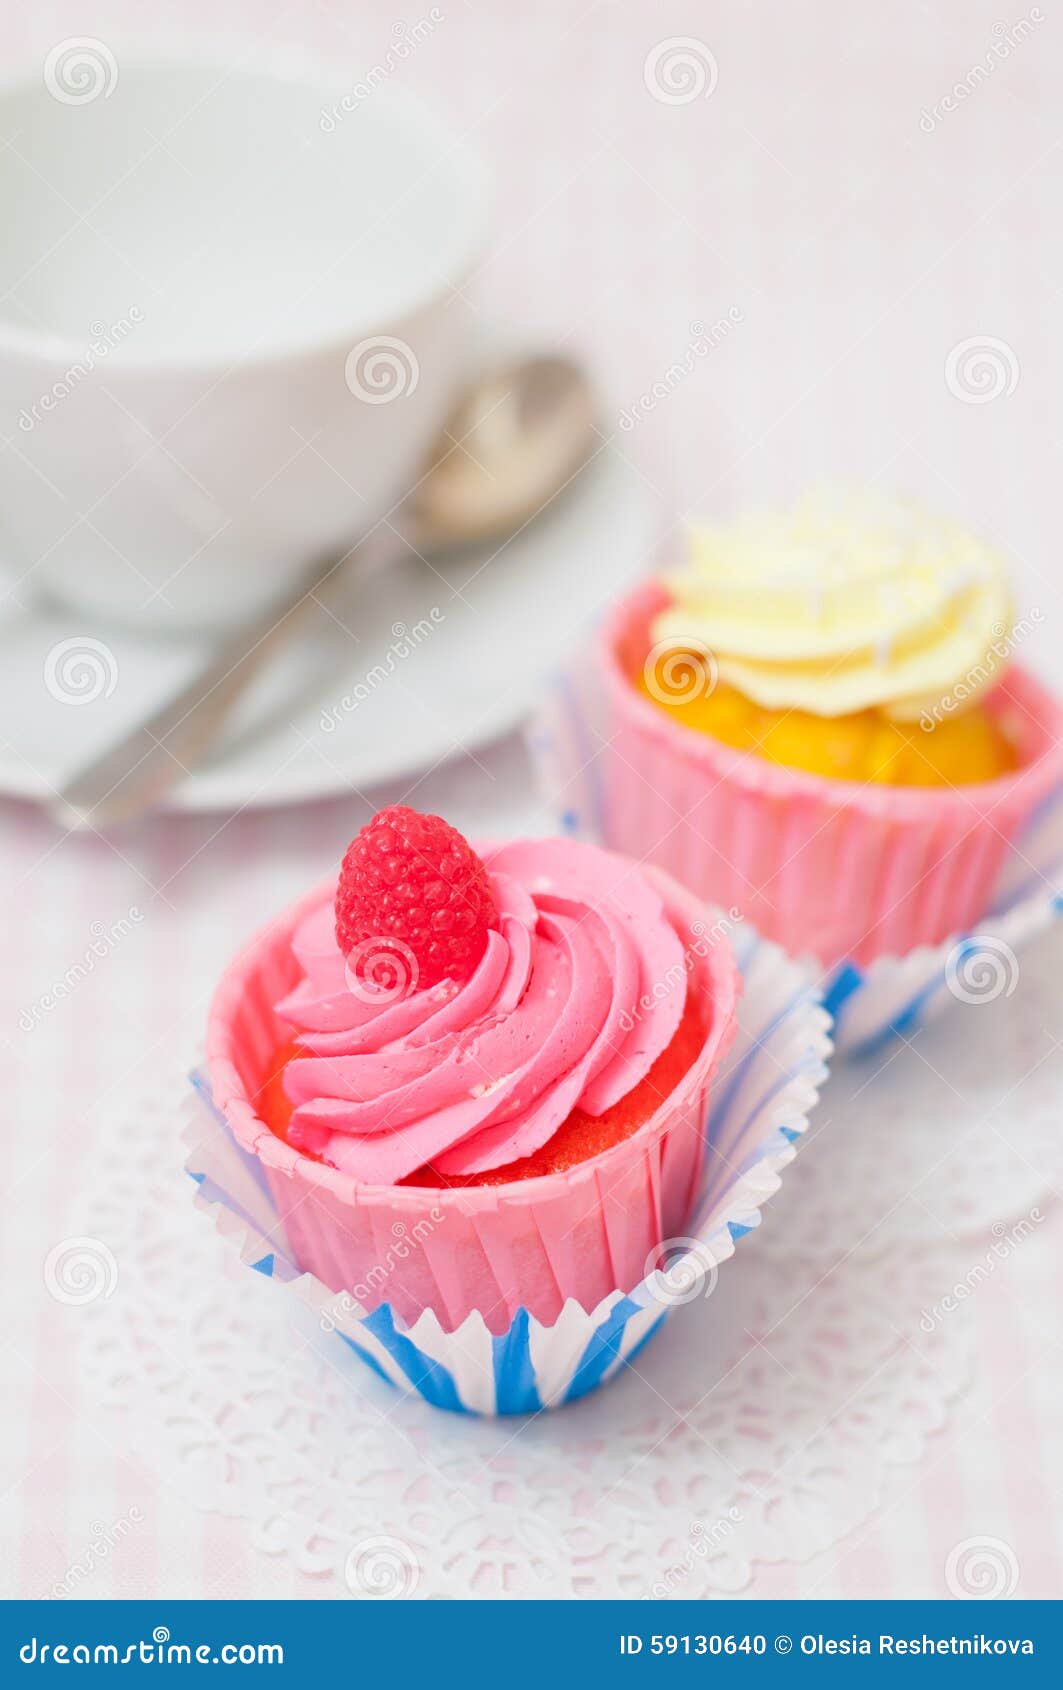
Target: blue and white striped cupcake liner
{"x": 758, "y": 1109}
{"x": 893, "y": 996}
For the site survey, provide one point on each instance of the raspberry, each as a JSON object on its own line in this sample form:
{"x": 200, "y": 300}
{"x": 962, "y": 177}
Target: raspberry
{"x": 412, "y": 883}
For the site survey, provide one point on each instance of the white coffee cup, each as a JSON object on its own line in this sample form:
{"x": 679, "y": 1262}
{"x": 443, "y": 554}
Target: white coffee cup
{"x": 230, "y": 322}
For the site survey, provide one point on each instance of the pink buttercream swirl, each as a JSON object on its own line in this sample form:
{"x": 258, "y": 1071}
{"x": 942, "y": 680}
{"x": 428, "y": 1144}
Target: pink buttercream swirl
{"x": 470, "y": 1077}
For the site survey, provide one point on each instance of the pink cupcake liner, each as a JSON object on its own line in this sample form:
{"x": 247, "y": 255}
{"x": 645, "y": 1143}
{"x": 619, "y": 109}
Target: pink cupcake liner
{"x": 827, "y": 868}
{"x": 581, "y": 1234}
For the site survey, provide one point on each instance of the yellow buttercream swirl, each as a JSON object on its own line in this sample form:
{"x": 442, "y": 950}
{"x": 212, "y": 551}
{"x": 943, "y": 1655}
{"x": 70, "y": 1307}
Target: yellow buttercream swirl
{"x": 843, "y": 603}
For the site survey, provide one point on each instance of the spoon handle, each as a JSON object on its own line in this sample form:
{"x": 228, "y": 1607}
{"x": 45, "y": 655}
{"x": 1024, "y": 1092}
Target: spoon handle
{"x": 531, "y": 428}
{"x": 133, "y": 774}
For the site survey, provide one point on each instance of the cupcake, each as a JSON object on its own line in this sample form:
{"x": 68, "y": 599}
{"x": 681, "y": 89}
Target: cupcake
{"x": 817, "y": 721}
{"x": 476, "y": 1080}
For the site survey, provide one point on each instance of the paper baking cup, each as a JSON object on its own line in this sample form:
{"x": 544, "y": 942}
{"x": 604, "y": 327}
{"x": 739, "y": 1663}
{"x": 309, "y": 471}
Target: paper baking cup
{"x": 895, "y": 996}
{"x": 759, "y": 1107}
{"x": 900, "y": 889}
{"x": 832, "y": 869}
{"x": 495, "y": 1249}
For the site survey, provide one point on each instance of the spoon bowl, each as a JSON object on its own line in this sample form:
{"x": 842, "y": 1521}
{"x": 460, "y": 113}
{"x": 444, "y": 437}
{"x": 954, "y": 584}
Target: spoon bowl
{"x": 511, "y": 445}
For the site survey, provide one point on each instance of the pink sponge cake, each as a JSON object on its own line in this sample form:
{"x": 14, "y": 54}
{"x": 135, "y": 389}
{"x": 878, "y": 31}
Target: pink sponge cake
{"x": 516, "y": 1042}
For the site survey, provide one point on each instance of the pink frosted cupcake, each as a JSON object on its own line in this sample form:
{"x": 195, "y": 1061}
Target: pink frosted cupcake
{"x": 476, "y": 1082}
{"x": 819, "y": 723}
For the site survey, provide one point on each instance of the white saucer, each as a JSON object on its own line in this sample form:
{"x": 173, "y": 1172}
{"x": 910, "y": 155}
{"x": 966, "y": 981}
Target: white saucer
{"x": 443, "y": 663}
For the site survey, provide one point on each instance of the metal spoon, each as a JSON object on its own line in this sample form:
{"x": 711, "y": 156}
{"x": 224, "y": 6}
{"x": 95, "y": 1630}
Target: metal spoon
{"x": 516, "y": 439}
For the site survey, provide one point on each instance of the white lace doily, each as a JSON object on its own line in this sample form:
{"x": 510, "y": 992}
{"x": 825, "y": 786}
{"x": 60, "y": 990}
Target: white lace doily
{"x": 942, "y": 1138}
{"x": 762, "y": 1424}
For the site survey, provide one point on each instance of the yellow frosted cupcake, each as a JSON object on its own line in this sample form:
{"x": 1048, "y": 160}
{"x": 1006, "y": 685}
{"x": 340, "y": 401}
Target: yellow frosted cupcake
{"x": 817, "y": 720}
{"x": 851, "y": 638}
